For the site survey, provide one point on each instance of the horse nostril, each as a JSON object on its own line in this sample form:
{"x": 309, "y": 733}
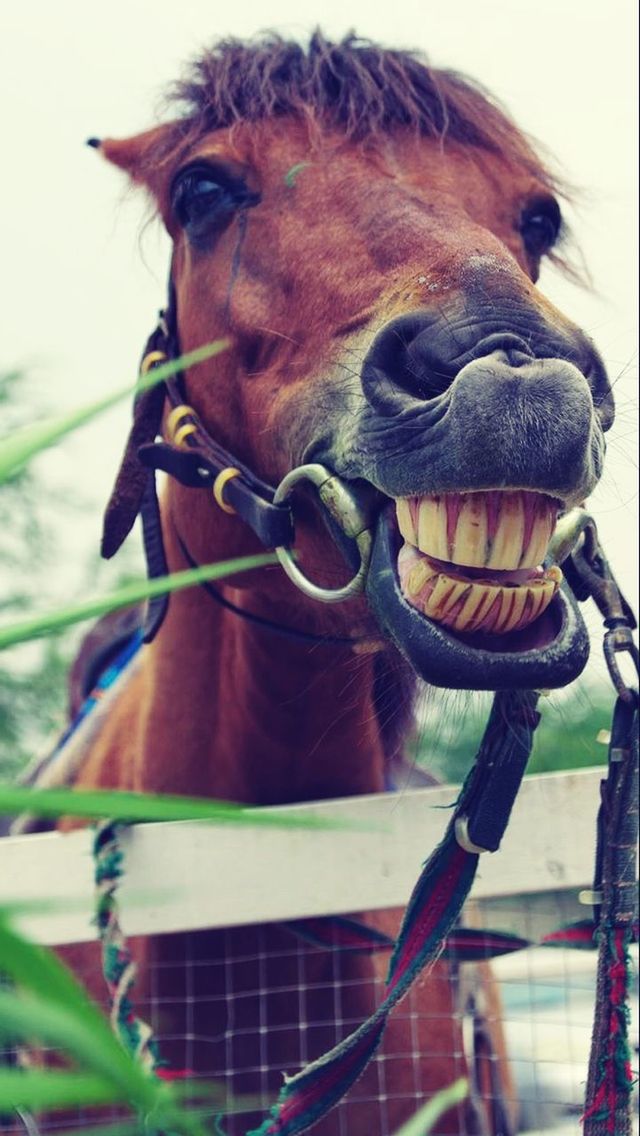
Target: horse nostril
{"x": 403, "y": 360}
{"x": 516, "y": 358}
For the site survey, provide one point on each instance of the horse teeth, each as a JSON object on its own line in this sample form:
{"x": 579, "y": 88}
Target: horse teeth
{"x": 488, "y": 608}
{"x": 432, "y": 527}
{"x": 470, "y": 541}
{"x": 405, "y": 522}
{"x": 506, "y": 546}
{"x": 418, "y": 576}
{"x": 504, "y": 530}
{"x": 473, "y": 605}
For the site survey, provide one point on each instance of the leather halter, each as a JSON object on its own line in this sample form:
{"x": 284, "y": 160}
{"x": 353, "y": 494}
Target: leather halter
{"x": 195, "y": 459}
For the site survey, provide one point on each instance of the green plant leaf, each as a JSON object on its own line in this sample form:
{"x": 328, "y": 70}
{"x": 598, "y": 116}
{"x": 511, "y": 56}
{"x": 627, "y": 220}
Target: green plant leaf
{"x": 32, "y": 1019}
{"x": 423, "y": 1122}
{"x": 41, "y": 1088}
{"x": 130, "y": 807}
{"x": 18, "y": 448}
{"x": 132, "y": 593}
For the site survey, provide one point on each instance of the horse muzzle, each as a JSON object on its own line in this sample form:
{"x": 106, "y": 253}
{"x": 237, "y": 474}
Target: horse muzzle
{"x": 527, "y": 633}
{"x": 480, "y": 452}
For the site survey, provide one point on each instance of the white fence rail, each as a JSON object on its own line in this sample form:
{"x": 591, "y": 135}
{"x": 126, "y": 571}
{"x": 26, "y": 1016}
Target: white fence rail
{"x": 191, "y": 875}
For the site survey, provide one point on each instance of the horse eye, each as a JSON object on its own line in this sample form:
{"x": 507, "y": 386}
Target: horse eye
{"x": 540, "y": 227}
{"x": 198, "y": 199}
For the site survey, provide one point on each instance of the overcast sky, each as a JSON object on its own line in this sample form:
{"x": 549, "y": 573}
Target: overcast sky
{"x": 81, "y": 287}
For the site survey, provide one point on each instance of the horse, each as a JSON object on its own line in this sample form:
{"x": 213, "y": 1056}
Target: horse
{"x": 365, "y": 233}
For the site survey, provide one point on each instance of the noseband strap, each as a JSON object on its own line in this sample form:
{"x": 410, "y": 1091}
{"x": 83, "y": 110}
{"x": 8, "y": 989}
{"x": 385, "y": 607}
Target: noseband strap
{"x": 200, "y": 463}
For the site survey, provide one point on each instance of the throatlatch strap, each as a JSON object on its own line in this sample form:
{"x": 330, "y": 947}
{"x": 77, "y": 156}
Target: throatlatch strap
{"x": 433, "y": 909}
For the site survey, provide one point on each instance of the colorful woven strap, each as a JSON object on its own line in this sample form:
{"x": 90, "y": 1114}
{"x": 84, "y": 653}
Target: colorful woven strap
{"x": 463, "y": 944}
{"x": 610, "y": 1083}
{"x": 479, "y": 819}
{"x": 118, "y": 966}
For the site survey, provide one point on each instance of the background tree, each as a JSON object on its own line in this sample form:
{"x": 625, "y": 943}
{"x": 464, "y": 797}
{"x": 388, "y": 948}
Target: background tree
{"x": 32, "y": 678}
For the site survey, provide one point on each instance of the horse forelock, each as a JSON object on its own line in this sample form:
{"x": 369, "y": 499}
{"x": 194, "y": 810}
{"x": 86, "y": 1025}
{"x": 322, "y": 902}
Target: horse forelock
{"x": 354, "y": 86}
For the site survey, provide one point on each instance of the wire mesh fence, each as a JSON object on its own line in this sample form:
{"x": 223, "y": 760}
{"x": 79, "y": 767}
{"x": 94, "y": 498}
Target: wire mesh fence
{"x": 241, "y": 1005}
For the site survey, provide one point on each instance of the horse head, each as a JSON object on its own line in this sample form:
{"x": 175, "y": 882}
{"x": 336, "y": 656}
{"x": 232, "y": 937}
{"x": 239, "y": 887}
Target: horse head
{"x": 366, "y": 233}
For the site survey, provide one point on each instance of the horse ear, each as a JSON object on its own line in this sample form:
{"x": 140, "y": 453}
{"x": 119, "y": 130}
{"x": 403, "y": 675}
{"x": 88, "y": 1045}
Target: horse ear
{"x": 143, "y": 155}
{"x": 132, "y": 480}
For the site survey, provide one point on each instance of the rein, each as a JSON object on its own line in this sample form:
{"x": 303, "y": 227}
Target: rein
{"x": 477, "y": 825}
{"x": 429, "y": 928}
{"x": 482, "y": 812}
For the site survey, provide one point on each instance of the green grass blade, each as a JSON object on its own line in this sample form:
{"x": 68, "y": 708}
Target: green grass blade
{"x": 130, "y": 807}
{"x": 424, "y": 1121}
{"x": 134, "y": 592}
{"x": 57, "y": 1010}
{"x": 146, "y": 1128}
{"x": 47, "y": 1090}
{"x": 40, "y": 971}
{"x": 17, "y": 449}
{"x": 33, "y": 1019}
{"x": 39, "y": 1089}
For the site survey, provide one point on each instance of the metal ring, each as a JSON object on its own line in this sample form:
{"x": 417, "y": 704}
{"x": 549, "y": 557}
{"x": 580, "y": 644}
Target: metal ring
{"x": 568, "y": 532}
{"x": 183, "y": 432}
{"x": 152, "y": 360}
{"x": 461, "y": 830}
{"x": 221, "y": 480}
{"x": 345, "y": 509}
{"x": 177, "y": 418}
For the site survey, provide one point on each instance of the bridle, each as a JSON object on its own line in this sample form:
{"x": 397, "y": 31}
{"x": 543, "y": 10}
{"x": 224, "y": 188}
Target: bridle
{"x": 191, "y": 456}
{"x": 482, "y": 811}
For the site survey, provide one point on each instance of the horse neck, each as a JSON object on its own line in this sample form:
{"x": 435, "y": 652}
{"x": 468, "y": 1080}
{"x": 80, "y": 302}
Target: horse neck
{"x": 235, "y": 711}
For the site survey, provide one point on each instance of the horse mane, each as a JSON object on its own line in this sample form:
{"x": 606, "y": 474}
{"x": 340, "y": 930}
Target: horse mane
{"x": 363, "y": 90}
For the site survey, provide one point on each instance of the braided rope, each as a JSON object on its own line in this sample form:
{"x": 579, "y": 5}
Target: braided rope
{"x": 118, "y": 965}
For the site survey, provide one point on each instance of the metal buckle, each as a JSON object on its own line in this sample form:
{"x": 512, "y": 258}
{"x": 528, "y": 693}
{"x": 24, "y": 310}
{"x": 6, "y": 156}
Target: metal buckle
{"x": 617, "y": 641}
{"x": 578, "y": 537}
{"x": 464, "y": 841}
{"x": 343, "y": 506}
{"x": 567, "y": 533}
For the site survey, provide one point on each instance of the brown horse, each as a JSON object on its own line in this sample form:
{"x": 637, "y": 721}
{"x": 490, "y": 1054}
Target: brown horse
{"x": 366, "y": 233}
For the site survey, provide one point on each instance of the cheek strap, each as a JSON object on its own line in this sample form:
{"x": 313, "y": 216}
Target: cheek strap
{"x": 192, "y": 457}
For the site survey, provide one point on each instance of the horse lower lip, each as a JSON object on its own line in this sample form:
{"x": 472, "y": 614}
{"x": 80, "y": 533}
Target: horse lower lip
{"x": 550, "y": 653}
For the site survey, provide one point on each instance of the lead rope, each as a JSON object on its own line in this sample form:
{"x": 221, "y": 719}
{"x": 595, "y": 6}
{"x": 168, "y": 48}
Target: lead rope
{"x": 477, "y": 825}
{"x": 118, "y": 966}
{"x": 610, "y": 1080}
